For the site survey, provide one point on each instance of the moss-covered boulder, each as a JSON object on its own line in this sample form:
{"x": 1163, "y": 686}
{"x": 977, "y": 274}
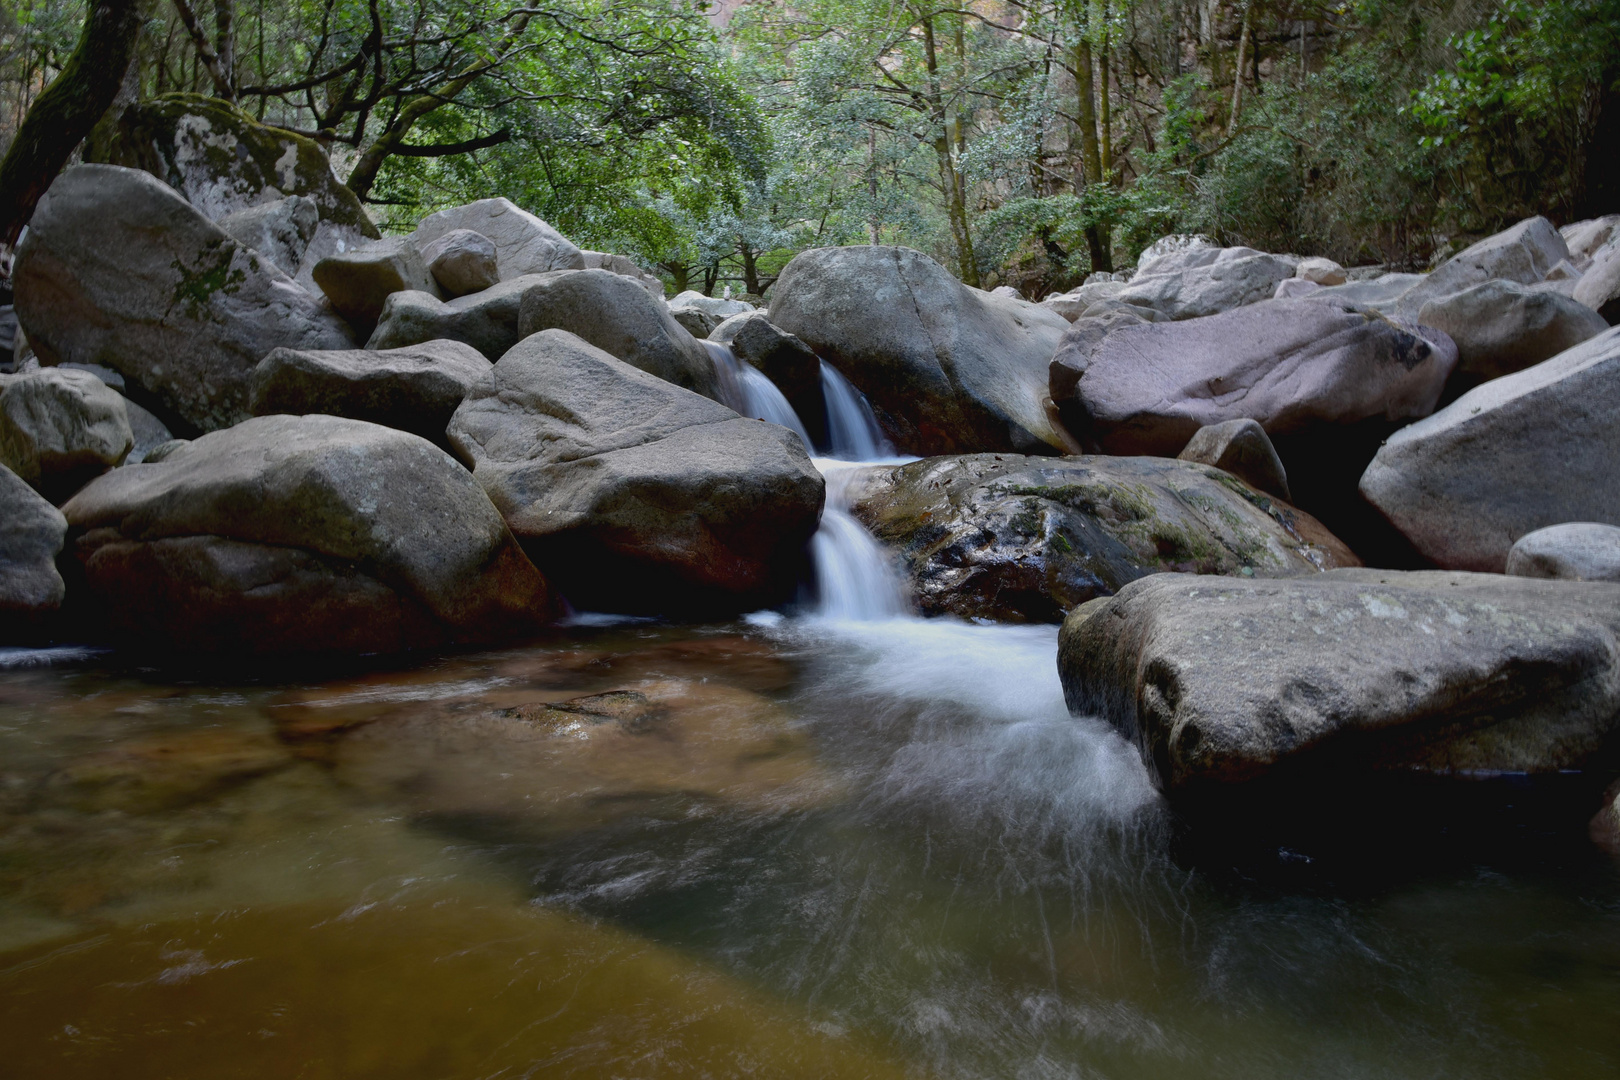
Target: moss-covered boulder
{"x": 1015, "y": 538}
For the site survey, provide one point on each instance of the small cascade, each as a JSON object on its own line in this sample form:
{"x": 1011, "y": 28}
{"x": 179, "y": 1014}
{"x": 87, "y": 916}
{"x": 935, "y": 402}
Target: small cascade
{"x": 855, "y": 576}
{"x": 745, "y": 388}
{"x": 852, "y": 429}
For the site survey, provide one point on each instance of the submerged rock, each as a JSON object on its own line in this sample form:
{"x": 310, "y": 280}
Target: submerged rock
{"x": 948, "y": 369}
{"x": 117, "y": 269}
{"x": 302, "y": 534}
{"x": 1023, "y": 538}
{"x": 60, "y": 427}
{"x": 1351, "y": 674}
{"x": 632, "y": 493}
{"x": 1578, "y": 551}
{"x": 31, "y": 534}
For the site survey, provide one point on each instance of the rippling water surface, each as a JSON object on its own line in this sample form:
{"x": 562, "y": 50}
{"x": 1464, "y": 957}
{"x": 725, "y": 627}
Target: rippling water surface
{"x": 809, "y": 847}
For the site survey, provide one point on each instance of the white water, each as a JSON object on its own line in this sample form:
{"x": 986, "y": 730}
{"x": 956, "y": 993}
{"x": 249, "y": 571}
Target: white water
{"x": 747, "y": 390}
{"x": 852, "y": 431}
{"x": 856, "y": 579}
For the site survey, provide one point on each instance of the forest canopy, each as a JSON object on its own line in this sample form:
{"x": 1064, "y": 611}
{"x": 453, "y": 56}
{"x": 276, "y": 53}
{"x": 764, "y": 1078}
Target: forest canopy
{"x": 1023, "y": 143}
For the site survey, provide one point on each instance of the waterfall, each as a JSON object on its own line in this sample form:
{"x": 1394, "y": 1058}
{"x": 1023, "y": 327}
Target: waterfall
{"x": 855, "y": 576}
{"x": 745, "y": 388}
{"x": 852, "y": 430}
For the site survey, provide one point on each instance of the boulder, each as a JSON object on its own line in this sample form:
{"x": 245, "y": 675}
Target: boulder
{"x": 785, "y": 360}
{"x": 1199, "y": 281}
{"x": 462, "y": 262}
{"x": 223, "y": 161}
{"x": 119, "y": 270}
{"x": 1524, "y": 254}
{"x": 1168, "y": 245}
{"x": 1321, "y": 271}
{"x": 1500, "y": 327}
{"x": 488, "y": 320}
{"x": 716, "y": 306}
{"x": 619, "y": 264}
{"x": 1585, "y": 238}
{"x": 632, "y": 493}
{"x": 700, "y": 324}
{"x": 1349, "y": 675}
{"x": 416, "y": 388}
{"x": 1578, "y": 551}
{"x": 31, "y": 533}
{"x": 1071, "y": 305}
{"x": 280, "y": 231}
{"x": 1291, "y": 288}
{"x": 359, "y": 283}
{"x": 1536, "y": 448}
{"x": 1604, "y": 827}
{"x": 947, "y": 368}
{"x": 59, "y": 428}
{"x": 1241, "y": 448}
{"x": 148, "y": 430}
{"x": 163, "y": 450}
{"x": 302, "y": 534}
{"x": 1599, "y": 287}
{"x": 1379, "y": 293}
{"x": 1016, "y": 538}
{"x": 613, "y": 313}
{"x": 523, "y": 243}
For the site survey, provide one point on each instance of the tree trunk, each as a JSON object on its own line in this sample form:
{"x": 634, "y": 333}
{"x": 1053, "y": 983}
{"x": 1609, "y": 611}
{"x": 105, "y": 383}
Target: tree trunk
{"x": 945, "y": 150}
{"x": 68, "y": 109}
{"x": 750, "y": 264}
{"x": 225, "y": 41}
{"x": 1097, "y": 239}
{"x": 1237, "y": 69}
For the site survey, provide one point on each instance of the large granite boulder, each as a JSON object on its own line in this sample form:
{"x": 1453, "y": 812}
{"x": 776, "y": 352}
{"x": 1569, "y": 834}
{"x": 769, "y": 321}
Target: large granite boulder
{"x": 613, "y": 313}
{"x": 486, "y": 320}
{"x": 632, "y": 493}
{"x": 1016, "y": 538}
{"x": 948, "y": 369}
{"x": 1524, "y": 254}
{"x": 523, "y": 243}
{"x": 1536, "y": 448}
{"x": 462, "y": 262}
{"x": 223, "y": 161}
{"x": 785, "y": 360}
{"x": 1577, "y": 551}
{"x": 1072, "y": 304}
{"x": 416, "y": 388}
{"x": 1500, "y": 327}
{"x": 59, "y": 428}
{"x": 620, "y": 264}
{"x": 302, "y": 534}
{"x": 280, "y": 231}
{"x": 1198, "y": 281}
{"x": 1240, "y": 447}
{"x": 1585, "y": 238}
{"x": 358, "y": 283}
{"x": 1223, "y": 682}
{"x": 1599, "y": 287}
{"x": 117, "y": 269}
{"x": 31, "y": 534}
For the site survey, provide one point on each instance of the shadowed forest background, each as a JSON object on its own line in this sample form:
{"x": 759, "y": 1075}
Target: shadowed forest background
{"x": 1024, "y": 144}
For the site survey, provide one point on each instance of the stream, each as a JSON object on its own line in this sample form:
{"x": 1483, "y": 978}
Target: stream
{"x": 833, "y": 841}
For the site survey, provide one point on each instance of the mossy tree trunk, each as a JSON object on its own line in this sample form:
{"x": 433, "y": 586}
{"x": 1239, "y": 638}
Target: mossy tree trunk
{"x": 68, "y": 109}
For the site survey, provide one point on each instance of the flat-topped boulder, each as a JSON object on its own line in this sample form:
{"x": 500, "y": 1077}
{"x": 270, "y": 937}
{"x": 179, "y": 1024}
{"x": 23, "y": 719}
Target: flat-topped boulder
{"x": 358, "y": 283}
{"x": 31, "y": 534}
{"x": 119, "y": 270}
{"x": 632, "y": 493}
{"x": 416, "y": 388}
{"x": 948, "y": 369}
{"x": 523, "y": 243}
{"x": 1027, "y": 538}
{"x": 301, "y": 534}
{"x": 1223, "y": 682}
{"x": 1536, "y": 448}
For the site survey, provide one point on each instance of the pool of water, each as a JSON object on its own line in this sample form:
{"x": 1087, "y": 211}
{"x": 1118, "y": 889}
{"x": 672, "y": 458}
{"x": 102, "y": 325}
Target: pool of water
{"x": 779, "y": 847}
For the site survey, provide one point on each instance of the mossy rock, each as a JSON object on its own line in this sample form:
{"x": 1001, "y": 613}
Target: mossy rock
{"x": 223, "y": 160}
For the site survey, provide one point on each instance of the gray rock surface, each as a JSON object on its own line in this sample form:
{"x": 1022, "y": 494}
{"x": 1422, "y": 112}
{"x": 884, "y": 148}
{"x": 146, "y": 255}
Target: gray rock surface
{"x": 1202, "y": 281}
{"x": 1072, "y": 304}
{"x": 717, "y": 306}
{"x": 1524, "y": 254}
{"x": 1241, "y": 448}
{"x": 1015, "y": 538}
{"x": 1224, "y": 681}
{"x": 31, "y": 534}
{"x": 148, "y": 430}
{"x": 948, "y": 369}
{"x": 1500, "y": 327}
{"x": 358, "y": 283}
{"x": 1599, "y": 287}
{"x": 280, "y": 231}
{"x": 619, "y": 264}
{"x": 613, "y": 313}
{"x": 1321, "y": 271}
{"x": 1536, "y": 448}
{"x": 302, "y": 534}
{"x": 1380, "y": 293}
{"x": 1576, "y": 551}
{"x": 524, "y": 244}
{"x": 462, "y": 261}
{"x": 1585, "y": 238}
{"x": 416, "y": 388}
{"x": 58, "y": 428}
{"x": 632, "y": 493}
{"x": 487, "y": 320}
{"x": 785, "y": 360}
{"x": 700, "y": 324}
{"x": 117, "y": 269}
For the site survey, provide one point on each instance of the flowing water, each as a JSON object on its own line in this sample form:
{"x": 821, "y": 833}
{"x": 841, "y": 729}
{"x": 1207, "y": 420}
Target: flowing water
{"x": 840, "y": 842}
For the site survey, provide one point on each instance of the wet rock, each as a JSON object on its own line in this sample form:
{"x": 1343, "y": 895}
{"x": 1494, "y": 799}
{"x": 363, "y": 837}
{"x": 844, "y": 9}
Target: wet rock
{"x": 462, "y": 262}
{"x": 523, "y": 243}
{"x": 632, "y": 493}
{"x": 1200, "y": 281}
{"x": 165, "y": 771}
{"x": 1599, "y": 287}
{"x": 1223, "y": 682}
{"x": 487, "y": 320}
{"x": 223, "y": 161}
{"x": 119, "y": 270}
{"x": 948, "y": 369}
{"x": 613, "y": 313}
{"x": 1500, "y": 327}
{"x": 1241, "y": 448}
{"x": 280, "y": 231}
{"x": 59, "y": 428}
{"x": 31, "y": 534}
{"x": 359, "y": 283}
{"x": 302, "y": 534}
{"x": 1578, "y": 551}
{"x": 1536, "y": 448}
{"x": 785, "y": 360}
{"x": 1015, "y": 538}
{"x": 619, "y": 264}
{"x": 415, "y": 389}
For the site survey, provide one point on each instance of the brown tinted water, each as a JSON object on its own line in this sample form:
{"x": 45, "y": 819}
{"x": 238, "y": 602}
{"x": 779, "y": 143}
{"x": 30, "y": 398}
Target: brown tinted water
{"x": 782, "y": 848}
